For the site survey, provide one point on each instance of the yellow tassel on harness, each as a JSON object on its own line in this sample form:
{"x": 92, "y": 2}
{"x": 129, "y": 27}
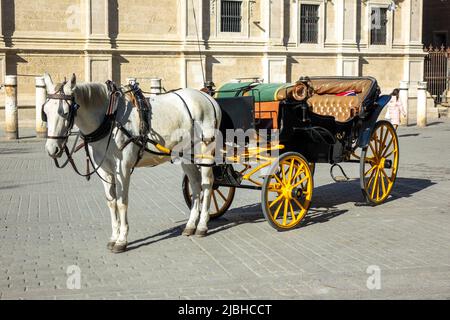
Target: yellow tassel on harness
{"x": 163, "y": 149}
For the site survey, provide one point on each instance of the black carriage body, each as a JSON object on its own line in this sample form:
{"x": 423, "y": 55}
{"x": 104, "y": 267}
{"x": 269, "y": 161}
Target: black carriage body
{"x": 323, "y": 139}
{"x": 319, "y": 138}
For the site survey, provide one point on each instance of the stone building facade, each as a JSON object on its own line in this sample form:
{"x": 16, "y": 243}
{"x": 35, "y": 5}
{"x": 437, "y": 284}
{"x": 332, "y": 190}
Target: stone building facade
{"x": 276, "y": 40}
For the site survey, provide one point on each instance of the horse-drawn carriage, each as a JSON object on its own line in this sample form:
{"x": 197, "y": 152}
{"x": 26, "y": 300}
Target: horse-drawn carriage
{"x": 319, "y": 120}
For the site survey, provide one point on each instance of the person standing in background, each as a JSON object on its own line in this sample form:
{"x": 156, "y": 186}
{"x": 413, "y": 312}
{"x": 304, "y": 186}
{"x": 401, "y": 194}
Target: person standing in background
{"x": 395, "y": 109}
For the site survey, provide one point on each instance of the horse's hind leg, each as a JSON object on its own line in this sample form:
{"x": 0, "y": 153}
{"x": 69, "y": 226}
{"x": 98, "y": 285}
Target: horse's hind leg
{"x": 111, "y": 198}
{"x": 207, "y": 186}
{"x": 194, "y": 176}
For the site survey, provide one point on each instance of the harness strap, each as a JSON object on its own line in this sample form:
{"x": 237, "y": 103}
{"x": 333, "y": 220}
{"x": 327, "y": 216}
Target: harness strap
{"x": 187, "y": 108}
{"x": 102, "y": 132}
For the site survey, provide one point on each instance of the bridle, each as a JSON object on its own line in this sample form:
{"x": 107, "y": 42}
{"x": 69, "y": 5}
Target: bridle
{"x": 106, "y": 128}
{"x": 73, "y": 108}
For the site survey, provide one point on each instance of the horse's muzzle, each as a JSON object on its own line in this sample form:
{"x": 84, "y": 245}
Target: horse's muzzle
{"x": 54, "y": 151}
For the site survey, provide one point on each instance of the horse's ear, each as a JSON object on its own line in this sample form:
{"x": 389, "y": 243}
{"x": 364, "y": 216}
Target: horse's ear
{"x": 49, "y": 83}
{"x": 73, "y": 81}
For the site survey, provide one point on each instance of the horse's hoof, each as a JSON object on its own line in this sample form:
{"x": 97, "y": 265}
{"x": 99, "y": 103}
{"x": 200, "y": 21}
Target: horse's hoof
{"x": 201, "y": 233}
{"x": 188, "y": 232}
{"x": 111, "y": 245}
{"x": 119, "y": 248}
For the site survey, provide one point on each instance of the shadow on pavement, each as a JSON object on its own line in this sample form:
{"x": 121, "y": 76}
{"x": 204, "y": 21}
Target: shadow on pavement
{"x": 166, "y": 235}
{"x": 409, "y": 135}
{"x": 326, "y": 200}
{"x": 13, "y": 151}
{"x": 434, "y": 123}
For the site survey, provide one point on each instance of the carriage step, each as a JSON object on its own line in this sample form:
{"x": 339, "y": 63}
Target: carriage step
{"x": 341, "y": 179}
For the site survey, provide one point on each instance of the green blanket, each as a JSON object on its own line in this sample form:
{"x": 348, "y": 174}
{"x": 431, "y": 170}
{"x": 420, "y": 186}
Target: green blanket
{"x": 263, "y": 92}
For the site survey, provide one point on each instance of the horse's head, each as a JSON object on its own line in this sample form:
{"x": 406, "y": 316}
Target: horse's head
{"x": 59, "y": 112}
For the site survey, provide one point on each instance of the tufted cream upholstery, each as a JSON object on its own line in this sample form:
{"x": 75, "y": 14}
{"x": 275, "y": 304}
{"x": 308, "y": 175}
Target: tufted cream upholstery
{"x": 325, "y": 102}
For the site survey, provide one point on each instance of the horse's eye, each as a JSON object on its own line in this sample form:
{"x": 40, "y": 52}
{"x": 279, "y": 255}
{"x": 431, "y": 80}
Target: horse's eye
{"x": 64, "y": 111}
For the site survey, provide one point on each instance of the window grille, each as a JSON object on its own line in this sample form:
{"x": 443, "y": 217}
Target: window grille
{"x": 231, "y": 16}
{"x": 309, "y": 26}
{"x": 378, "y": 30}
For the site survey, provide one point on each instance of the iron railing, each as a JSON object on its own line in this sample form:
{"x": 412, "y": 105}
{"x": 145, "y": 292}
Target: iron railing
{"x": 231, "y": 15}
{"x": 437, "y": 72}
{"x": 309, "y": 23}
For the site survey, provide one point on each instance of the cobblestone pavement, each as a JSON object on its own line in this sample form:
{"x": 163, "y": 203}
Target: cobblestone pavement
{"x": 51, "y": 220}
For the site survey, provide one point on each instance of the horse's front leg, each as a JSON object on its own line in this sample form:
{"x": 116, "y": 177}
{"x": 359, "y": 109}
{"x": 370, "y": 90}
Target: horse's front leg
{"x": 207, "y": 187}
{"x": 122, "y": 189}
{"x": 111, "y": 198}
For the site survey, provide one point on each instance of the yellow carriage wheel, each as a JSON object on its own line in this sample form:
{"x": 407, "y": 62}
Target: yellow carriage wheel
{"x": 221, "y": 199}
{"x": 379, "y": 163}
{"x": 287, "y": 191}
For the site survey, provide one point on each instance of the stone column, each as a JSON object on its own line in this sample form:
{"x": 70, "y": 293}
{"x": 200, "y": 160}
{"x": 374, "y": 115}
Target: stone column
{"x": 131, "y": 81}
{"x": 11, "y": 110}
{"x": 98, "y": 43}
{"x": 155, "y": 86}
{"x": 404, "y": 98}
{"x": 2, "y": 46}
{"x": 422, "y": 104}
{"x": 275, "y": 23}
{"x": 41, "y": 97}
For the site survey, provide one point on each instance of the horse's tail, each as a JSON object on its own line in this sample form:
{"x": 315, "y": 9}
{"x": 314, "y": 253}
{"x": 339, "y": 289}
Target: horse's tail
{"x": 213, "y": 115}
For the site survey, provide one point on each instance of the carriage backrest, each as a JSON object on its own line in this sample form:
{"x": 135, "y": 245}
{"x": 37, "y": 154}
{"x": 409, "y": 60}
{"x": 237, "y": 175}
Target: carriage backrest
{"x": 326, "y": 101}
{"x": 237, "y": 113}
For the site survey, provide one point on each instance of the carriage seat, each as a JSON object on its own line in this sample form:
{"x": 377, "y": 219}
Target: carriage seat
{"x": 342, "y": 108}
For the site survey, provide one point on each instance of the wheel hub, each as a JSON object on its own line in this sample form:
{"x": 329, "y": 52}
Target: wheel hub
{"x": 388, "y": 164}
{"x": 297, "y": 193}
{"x": 382, "y": 163}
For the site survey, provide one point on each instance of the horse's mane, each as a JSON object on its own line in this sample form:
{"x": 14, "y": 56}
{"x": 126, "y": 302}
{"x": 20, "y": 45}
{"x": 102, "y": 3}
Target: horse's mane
{"x": 91, "y": 94}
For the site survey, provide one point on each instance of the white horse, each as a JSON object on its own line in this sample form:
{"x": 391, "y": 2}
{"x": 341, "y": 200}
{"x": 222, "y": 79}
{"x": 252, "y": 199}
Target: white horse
{"x": 170, "y": 113}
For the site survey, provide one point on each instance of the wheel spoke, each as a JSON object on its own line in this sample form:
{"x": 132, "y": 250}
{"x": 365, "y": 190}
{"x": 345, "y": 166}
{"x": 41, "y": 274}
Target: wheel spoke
{"x": 286, "y": 203}
{"x": 300, "y": 206}
{"x": 299, "y": 172}
{"x": 291, "y": 168}
{"x": 276, "y": 201}
{"x": 215, "y": 202}
{"x": 381, "y": 138}
{"x": 386, "y": 176}
{"x": 370, "y": 180}
{"x": 300, "y": 182}
{"x": 284, "y": 173}
{"x": 373, "y": 149}
{"x": 221, "y": 195}
{"x": 356, "y": 156}
{"x": 383, "y": 184}
{"x": 391, "y": 153}
{"x": 375, "y": 184}
{"x": 385, "y": 137}
{"x": 277, "y": 212}
{"x": 387, "y": 148}
{"x": 278, "y": 179}
{"x": 291, "y": 208}
{"x": 378, "y": 185}
{"x": 369, "y": 171}
{"x": 377, "y": 146}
